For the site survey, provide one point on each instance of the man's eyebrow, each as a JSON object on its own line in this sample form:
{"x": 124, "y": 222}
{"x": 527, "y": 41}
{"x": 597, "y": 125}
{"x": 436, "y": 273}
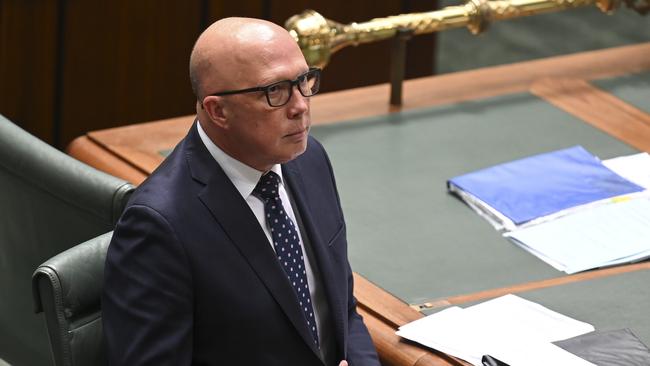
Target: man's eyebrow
{"x": 270, "y": 81}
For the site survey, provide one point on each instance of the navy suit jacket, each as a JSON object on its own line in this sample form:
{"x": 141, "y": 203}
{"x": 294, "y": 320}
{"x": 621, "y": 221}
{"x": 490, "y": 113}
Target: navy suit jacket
{"x": 191, "y": 279}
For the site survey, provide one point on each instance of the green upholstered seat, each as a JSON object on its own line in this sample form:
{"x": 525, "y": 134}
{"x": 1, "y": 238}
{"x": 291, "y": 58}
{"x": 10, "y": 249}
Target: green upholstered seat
{"x": 48, "y": 203}
{"x": 67, "y": 288}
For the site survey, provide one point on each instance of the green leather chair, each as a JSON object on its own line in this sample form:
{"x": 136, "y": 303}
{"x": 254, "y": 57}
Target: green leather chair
{"x": 48, "y": 203}
{"x": 67, "y": 288}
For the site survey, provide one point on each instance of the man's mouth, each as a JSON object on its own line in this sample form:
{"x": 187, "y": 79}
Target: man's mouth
{"x": 298, "y": 133}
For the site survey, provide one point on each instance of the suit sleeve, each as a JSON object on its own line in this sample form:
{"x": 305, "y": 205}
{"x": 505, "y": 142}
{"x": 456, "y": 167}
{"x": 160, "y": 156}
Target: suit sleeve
{"x": 360, "y": 351}
{"x": 147, "y": 295}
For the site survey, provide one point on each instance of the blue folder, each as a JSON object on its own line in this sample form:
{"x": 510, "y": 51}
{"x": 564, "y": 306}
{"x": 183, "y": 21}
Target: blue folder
{"x": 540, "y": 185}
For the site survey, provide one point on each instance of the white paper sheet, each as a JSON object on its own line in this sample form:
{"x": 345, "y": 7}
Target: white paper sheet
{"x": 512, "y": 329}
{"x": 601, "y": 236}
{"x": 635, "y": 168}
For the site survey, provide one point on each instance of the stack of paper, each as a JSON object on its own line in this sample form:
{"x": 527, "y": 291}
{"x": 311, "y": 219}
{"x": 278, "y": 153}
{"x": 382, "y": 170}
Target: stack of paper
{"x": 603, "y": 236}
{"x": 567, "y": 207}
{"x": 520, "y": 192}
{"x": 515, "y": 331}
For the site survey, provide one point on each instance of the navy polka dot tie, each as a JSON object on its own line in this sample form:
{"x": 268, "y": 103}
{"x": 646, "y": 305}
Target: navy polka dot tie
{"x": 287, "y": 244}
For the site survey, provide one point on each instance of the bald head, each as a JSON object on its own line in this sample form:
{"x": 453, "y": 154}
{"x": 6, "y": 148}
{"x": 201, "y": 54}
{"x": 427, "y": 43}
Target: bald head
{"x": 233, "y": 50}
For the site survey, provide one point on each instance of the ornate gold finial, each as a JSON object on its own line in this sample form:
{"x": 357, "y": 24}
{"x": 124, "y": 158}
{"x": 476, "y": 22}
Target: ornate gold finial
{"x": 319, "y": 37}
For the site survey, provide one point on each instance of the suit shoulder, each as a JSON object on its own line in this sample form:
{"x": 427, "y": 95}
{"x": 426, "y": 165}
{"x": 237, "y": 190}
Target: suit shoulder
{"x": 165, "y": 188}
{"x": 314, "y": 144}
{"x": 314, "y": 152}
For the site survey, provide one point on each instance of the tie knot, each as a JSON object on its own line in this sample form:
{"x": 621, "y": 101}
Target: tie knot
{"x": 268, "y": 186}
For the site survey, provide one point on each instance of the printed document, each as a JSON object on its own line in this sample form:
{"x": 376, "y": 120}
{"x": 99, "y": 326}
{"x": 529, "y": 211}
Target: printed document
{"x": 514, "y": 330}
{"x": 606, "y": 235}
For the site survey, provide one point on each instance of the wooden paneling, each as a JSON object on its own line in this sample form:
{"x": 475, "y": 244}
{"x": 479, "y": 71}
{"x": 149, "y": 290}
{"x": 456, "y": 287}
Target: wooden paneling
{"x": 126, "y": 61}
{"x": 28, "y": 54}
{"x": 420, "y": 51}
{"x": 72, "y": 66}
{"x": 218, "y": 9}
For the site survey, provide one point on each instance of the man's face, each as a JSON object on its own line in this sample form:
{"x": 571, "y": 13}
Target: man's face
{"x": 262, "y": 135}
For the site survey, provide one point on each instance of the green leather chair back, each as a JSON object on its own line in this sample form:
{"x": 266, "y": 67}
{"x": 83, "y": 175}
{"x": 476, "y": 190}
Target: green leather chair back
{"x": 67, "y": 288}
{"x": 48, "y": 202}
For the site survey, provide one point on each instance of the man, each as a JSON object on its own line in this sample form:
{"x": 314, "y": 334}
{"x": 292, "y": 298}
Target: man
{"x": 198, "y": 272}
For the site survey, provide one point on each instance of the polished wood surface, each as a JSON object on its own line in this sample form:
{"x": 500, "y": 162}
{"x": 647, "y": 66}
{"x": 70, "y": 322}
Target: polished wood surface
{"x": 529, "y": 286}
{"x": 133, "y": 152}
{"x": 383, "y": 313}
{"x": 479, "y": 83}
{"x": 394, "y": 351}
{"x": 597, "y": 108}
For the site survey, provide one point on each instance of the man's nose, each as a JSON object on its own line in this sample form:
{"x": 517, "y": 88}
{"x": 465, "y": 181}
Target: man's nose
{"x": 298, "y": 104}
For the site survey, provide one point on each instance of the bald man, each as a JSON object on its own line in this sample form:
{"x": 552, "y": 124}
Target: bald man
{"x": 234, "y": 251}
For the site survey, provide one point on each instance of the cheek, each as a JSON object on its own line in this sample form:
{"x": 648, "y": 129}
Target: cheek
{"x": 261, "y": 137}
{"x": 262, "y": 126}
{"x": 272, "y": 127}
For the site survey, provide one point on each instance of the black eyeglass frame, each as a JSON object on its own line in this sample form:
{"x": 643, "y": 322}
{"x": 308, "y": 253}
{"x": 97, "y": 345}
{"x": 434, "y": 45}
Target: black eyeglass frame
{"x": 294, "y": 82}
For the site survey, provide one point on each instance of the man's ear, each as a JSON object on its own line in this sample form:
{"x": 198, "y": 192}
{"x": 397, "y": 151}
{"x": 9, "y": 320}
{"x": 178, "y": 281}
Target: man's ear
{"x": 215, "y": 108}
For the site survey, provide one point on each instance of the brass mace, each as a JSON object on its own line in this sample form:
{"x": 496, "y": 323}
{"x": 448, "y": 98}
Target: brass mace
{"x": 319, "y": 37}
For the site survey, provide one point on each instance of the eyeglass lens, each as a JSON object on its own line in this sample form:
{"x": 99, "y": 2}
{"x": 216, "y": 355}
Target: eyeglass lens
{"x": 279, "y": 93}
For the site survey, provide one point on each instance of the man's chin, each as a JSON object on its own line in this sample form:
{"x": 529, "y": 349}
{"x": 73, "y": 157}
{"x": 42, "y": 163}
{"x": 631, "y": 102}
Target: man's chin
{"x": 297, "y": 151}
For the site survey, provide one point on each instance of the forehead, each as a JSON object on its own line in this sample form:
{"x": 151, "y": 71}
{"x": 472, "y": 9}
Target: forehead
{"x": 280, "y": 71}
{"x": 273, "y": 61}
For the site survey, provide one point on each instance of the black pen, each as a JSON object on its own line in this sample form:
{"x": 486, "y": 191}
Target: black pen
{"x": 488, "y": 360}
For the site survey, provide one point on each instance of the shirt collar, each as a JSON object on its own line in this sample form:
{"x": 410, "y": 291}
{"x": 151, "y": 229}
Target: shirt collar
{"x": 242, "y": 176}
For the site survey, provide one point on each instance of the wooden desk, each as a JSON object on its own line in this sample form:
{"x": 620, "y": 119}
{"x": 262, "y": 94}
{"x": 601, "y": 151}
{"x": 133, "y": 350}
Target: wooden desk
{"x": 133, "y": 152}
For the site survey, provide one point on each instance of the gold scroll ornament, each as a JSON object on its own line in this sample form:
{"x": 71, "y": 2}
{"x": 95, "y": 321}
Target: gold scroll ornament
{"x": 319, "y": 37}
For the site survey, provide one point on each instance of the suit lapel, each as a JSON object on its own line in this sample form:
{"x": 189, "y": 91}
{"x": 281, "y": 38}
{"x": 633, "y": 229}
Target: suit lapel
{"x": 291, "y": 173}
{"x": 237, "y": 220}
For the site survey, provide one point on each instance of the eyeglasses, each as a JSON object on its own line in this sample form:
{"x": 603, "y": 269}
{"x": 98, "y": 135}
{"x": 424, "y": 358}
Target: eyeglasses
{"x": 279, "y": 93}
